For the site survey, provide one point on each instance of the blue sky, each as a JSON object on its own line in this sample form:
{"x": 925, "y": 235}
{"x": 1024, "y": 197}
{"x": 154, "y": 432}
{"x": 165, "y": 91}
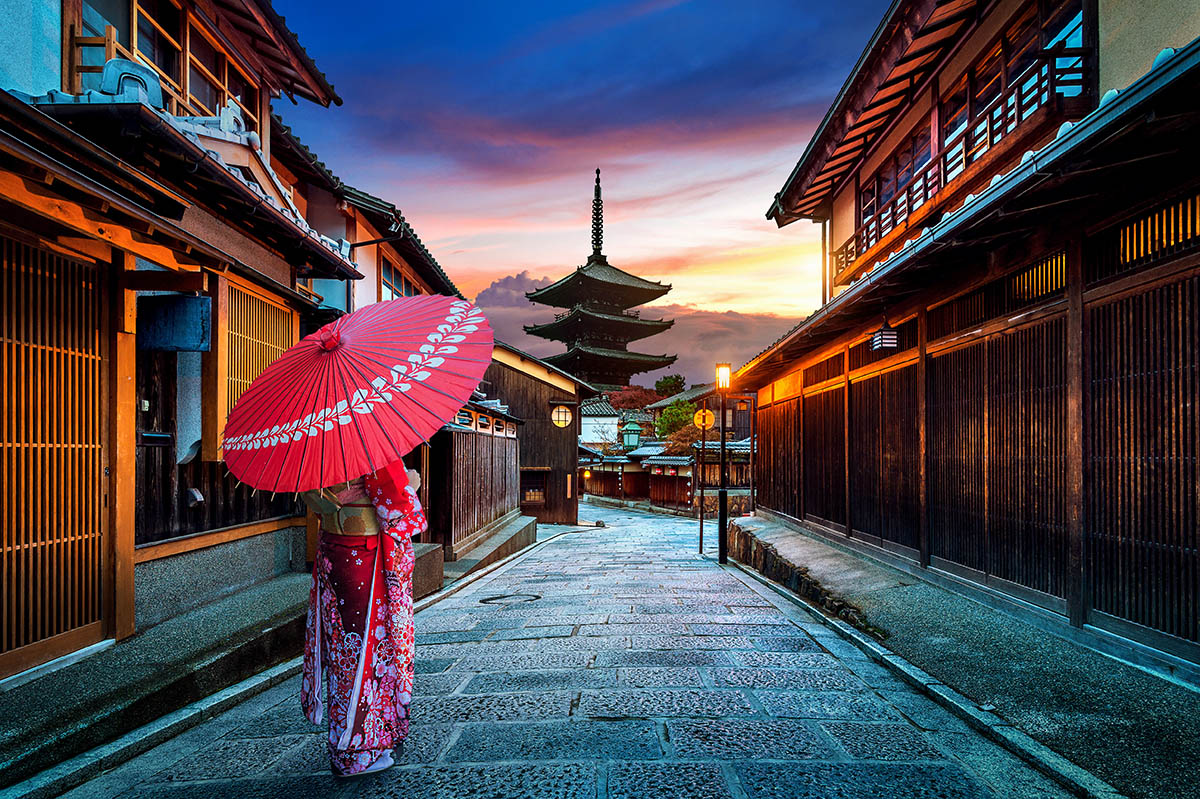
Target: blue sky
{"x": 485, "y": 122}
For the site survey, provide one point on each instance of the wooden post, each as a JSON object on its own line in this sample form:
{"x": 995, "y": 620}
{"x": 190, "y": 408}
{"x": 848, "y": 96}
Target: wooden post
{"x": 922, "y": 440}
{"x": 124, "y": 446}
{"x": 824, "y": 262}
{"x": 846, "y": 437}
{"x": 215, "y": 374}
{"x": 1076, "y": 582}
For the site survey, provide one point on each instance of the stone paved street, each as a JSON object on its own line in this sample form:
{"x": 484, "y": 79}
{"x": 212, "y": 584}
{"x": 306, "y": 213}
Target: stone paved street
{"x": 612, "y": 662}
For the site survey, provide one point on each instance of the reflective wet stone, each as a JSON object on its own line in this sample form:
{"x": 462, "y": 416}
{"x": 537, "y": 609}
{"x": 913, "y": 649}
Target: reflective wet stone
{"x": 857, "y": 781}
{"x": 232, "y": 757}
{"x": 491, "y": 707}
{"x": 436, "y": 684}
{"x": 433, "y": 665}
{"x": 550, "y": 631}
{"x": 664, "y": 703}
{"x": 664, "y": 628}
{"x": 742, "y": 629}
{"x": 286, "y": 718}
{"x": 549, "y": 680}
{"x": 789, "y": 643}
{"x": 658, "y": 677}
{"x": 557, "y": 740}
{"x": 738, "y": 740}
{"x": 787, "y": 660}
{"x": 864, "y": 741}
{"x": 782, "y": 679}
{"x": 519, "y": 662}
{"x": 662, "y": 658}
{"x": 666, "y": 781}
{"x": 826, "y": 705}
{"x": 691, "y": 642}
{"x": 482, "y": 782}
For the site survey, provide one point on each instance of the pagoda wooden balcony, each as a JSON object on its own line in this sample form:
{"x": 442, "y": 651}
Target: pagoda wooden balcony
{"x": 1053, "y": 90}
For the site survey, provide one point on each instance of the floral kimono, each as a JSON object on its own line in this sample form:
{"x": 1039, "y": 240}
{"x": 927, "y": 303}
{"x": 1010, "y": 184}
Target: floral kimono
{"x": 360, "y": 625}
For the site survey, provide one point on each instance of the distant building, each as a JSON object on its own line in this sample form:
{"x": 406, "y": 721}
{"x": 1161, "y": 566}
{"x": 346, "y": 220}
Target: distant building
{"x": 600, "y": 423}
{"x": 598, "y": 325}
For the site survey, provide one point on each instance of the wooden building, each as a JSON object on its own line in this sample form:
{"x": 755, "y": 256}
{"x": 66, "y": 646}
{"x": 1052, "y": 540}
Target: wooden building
{"x": 998, "y": 391}
{"x": 547, "y": 400}
{"x": 599, "y": 323}
{"x": 152, "y": 264}
{"x": 737, "y": 412}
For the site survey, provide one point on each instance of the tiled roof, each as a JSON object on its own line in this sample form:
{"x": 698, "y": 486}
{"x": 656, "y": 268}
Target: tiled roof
{"x": 597, "y": 406}
{"x": 690, "y": 395}
{"x": 622, "y": 355}
{"x": 648, "y": 448}
{"x": 730, "y": 446}
{"x": 668, "y": 460}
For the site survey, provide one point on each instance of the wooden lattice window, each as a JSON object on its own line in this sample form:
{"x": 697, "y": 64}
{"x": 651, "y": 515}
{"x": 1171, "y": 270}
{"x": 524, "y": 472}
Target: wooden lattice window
{"x": 53, "y": 433}
{"x": 251, "y": 329}
{"x": 259, "y": 331}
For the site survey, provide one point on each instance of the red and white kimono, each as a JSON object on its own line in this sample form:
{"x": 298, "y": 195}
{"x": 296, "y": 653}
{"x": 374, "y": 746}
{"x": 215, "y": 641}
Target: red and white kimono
{"x": 360, "y": 625}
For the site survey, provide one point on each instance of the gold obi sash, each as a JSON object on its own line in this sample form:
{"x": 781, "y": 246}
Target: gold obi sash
{"x": 355, "y": 518}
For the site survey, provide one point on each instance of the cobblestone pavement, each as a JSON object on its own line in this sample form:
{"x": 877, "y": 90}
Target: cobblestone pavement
{"x": 612, "y": 662}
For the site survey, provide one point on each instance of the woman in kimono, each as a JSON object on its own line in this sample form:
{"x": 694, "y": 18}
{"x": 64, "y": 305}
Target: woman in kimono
{"x": 359, "y": 640}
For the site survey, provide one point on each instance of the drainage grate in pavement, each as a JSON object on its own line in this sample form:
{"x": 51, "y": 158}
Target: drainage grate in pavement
{"x": 509, "y": 599}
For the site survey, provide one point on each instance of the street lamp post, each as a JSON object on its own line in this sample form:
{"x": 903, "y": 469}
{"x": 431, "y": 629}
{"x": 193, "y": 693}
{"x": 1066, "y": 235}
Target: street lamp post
{"x": 723, "y": 374}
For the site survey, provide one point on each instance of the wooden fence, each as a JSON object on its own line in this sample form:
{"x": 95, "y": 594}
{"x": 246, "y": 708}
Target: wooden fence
{"x": 474, "y": 481}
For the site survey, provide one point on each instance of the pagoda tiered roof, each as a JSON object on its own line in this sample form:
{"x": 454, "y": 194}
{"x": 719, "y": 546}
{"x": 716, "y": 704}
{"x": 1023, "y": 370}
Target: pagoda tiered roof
{"x": 599, "y": 281}
{"x": 607, "y": 367}
{"x": 599, "y": 325}
{"x": 582, "y": 322}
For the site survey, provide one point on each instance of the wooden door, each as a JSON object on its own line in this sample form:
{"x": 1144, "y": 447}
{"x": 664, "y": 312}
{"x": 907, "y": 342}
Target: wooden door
{"x": 53, "y": 434}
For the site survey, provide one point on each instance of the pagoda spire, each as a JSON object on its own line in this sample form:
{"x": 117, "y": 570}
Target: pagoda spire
{"x": 597, "y": 218}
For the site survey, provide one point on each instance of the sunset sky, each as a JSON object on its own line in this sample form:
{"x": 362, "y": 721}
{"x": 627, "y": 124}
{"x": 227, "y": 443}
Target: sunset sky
{"x": 484, "y": 123}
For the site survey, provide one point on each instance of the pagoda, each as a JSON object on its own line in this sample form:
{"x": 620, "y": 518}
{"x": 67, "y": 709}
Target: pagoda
{"x": 598, "y": 323}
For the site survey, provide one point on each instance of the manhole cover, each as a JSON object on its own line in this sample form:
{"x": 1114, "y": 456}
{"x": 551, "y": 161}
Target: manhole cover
{"x": 509, "y": 599}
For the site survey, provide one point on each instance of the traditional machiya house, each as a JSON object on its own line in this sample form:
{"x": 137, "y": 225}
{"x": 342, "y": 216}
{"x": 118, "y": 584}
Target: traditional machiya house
{"x": 547, "y": 400}
{"x": 599, "y": 321}
{"x": 152, "y": 267}
{"x": 599, "y": 424}
{"x": 998, "y": 391}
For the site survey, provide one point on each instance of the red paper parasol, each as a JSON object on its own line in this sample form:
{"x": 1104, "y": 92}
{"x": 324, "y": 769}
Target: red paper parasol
{"x": 358, "y": 394}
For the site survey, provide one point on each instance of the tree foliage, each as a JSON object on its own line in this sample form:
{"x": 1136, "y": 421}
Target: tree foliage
{"x": 632, "y": 397}
{"x": 670, "y": 385}
{"x": 678, "y": 414}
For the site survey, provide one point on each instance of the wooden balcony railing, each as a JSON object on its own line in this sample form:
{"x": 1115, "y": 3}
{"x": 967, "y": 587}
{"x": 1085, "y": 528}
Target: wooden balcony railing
{"x": 1057, "y": 76}
{"x": 173, "y": 94}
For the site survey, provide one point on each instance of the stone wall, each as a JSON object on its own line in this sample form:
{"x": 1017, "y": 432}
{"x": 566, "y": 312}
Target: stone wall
{"x": 172, "y": 585}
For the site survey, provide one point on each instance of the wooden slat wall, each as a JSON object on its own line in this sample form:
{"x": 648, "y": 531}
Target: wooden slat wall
{"x": 670, "y": 491}
{"x": 1143, "y": 504}
{"x": 52, "y": 448}
{"x": 866, "y": 456}
{"x": 778, "y": 467}
{"x": 957, "y": 420}
{"x": 602, "y": 484}
{"x": 899, "y": 415}
{"x": 1123, "y": 551}
{"x": 478, "y": 481}
{"x": 825, "y": 456}
{"x": 1027, "y": 468}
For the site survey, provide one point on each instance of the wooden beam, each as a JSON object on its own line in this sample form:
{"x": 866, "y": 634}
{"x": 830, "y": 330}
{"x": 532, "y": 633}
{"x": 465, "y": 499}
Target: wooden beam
{"x": 154, "y": 280}
{"x": 28, "y": 195}
{"x": 269, "y": 30}
{"x": 191, "y": 543}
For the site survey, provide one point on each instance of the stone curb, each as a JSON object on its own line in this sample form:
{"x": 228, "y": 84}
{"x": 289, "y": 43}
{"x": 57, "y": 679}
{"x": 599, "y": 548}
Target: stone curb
{"x": 77, "y": 770}
{"x": 1075, "y": 779}
{"x": 764, "y": 558}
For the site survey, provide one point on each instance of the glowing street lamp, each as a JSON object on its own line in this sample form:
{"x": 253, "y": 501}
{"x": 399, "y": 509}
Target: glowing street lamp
{"x": 723, "y": 375}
